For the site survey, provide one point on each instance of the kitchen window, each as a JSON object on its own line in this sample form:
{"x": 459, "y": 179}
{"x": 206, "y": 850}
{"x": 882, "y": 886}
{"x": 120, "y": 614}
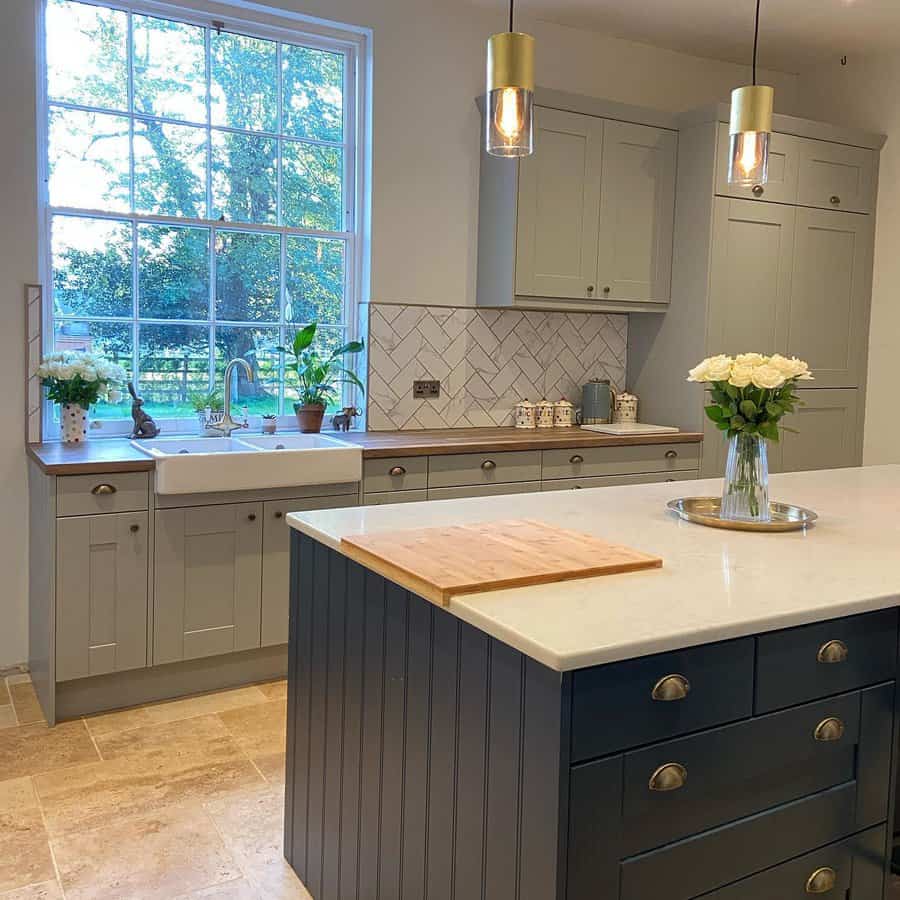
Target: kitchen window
{"x": 202, "y": 186}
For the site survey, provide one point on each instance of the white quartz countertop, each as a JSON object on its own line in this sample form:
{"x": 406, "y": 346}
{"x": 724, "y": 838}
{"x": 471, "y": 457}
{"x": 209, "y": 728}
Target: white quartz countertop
{"x": 713, "y": 585}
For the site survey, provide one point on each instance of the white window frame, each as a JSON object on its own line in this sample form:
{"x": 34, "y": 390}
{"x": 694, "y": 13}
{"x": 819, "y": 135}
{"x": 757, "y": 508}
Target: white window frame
{"x": 260, "y": 21}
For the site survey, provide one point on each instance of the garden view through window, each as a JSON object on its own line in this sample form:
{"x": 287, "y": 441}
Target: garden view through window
{"x": 200, "y": 199}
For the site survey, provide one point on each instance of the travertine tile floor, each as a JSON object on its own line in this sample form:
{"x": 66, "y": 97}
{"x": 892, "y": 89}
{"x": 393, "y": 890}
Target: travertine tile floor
{"x": 168, "y": 801}
{"x": 172, "y": 801}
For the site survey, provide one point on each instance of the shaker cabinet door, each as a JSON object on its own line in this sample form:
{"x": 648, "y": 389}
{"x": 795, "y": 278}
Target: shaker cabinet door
{"x": 101, "y": 594}
{"x": 827, "y": 431}
{"x": 835, "y": 176}
{"x": 208, "y": 574}
{"x": 558, "y": 207}
{"x": 750, "y": 278}
{"x": 637, "y": 211}
{"x": 828, "y": 321}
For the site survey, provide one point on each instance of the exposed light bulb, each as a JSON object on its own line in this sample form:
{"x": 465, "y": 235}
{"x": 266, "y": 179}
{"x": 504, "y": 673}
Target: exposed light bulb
{"x": 509, "y": 113}
{"x": 748, "y": 162}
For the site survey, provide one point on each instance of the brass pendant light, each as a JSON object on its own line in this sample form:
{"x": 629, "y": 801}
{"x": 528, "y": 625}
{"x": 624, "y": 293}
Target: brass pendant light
{"x": 751, "y": 125}
{"x": 509, "y": 117}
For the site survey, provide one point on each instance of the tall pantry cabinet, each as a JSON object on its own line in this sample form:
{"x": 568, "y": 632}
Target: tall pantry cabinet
{"x": 783, "y": 267}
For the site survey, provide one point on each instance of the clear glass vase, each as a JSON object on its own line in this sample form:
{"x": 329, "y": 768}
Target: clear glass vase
{"x": 745, "y": 494}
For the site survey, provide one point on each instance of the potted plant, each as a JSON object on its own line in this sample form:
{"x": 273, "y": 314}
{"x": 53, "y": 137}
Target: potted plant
{"x": 269, "y": 423}
{"x": 318, "y": 376}
{"x": 210, "y": 408}
{"x": 750, "y": 393}
{"x": 76, "y": 381}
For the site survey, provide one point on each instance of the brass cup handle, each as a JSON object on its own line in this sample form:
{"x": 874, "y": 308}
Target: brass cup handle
{"x": 830, "y": 729}
{"x": 821, "y": 881}
{"x": 671, "y": 687}
{"x": 488, "y": 465}
{"x": 396, "y": 471}
{"x": 668, "y": 777}
{"x": 102, "y": 490}
{"x": 757, "y": 190}
{"x": 834, "y": 200}
{"x": 832, "y": 652}
{"x": 671, "y": 454}
{"x": 576, "y": 460}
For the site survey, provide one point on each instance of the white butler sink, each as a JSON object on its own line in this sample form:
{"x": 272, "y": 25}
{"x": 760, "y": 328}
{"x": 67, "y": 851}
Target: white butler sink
{"x": 204, "y": 465}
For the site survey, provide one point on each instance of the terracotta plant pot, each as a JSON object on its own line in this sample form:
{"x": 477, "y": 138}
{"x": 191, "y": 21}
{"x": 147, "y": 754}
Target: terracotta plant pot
{"x": 309, "y": 418}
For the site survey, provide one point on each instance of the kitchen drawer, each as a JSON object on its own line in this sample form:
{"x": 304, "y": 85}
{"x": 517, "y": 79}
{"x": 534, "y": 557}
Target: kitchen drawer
{"x": 701, "y": 863}
{"x": 86, "y": 495}
{"x": 484, "y": 468}
{"x": 483, "y": 490}
{"x": 577, "y": 484}
{"x": 613, "y": 706}
{"x": 836, "y": 176}
{"x": 399, "y": 473}
{"x": 789, "y": 669}
{"x": 737, "y": 770}
{"x": 587, "y": 461}
{"x": 381, "y": 498}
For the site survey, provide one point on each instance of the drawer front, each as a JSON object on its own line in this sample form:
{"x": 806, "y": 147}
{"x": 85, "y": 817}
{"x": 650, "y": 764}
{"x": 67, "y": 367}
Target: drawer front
{"x": 381, "y": 498}
{"x": 87, "y": 495}
{"x": 484, "y": 468}
{"x": 702, "y": 863}
{"x": 835, "y": 176}
{"x": 399, "y": 473}
{"x": 588, "y": 461}
{"x": 691, "y": 784}
{"x": 483, "y": 490}
{"x": 613, "y": 706}
{"x": 789, "y": 669}
{"x": 784, "y": 165}
{"x": 577, "y": 484}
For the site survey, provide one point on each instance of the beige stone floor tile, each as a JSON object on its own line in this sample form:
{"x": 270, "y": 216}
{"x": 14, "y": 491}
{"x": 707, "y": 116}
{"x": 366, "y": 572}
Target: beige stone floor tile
{"x": 251, "y": 823}
{"x": 24, "y": 851}
{"x": 175, "y": 710}
{"x": 46, "y": 890}
{"x": 8, "y": 717}
{"x": 259, "y": 729}
{"x": 25, "y": 701}
{"x": 32, "y": 749}
{"x": 272, "y": 766}
{"x": 4, "y": 693}
{"x": 155, "y": 856}
{"x": 18, "y": 678}
{"x": 274, "y": 690}
{"x": 232, "y": 890}
{"x": 151, "y": 768}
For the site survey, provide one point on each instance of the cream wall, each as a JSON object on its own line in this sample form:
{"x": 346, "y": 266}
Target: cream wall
{"x": 864, "y": 94}
{"x": 428, "y": 67}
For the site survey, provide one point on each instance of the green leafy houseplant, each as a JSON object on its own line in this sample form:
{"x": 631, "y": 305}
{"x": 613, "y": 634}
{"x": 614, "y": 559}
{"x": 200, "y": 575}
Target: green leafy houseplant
{"x": 318, "y": 376}
{"x": 213, "y": 401}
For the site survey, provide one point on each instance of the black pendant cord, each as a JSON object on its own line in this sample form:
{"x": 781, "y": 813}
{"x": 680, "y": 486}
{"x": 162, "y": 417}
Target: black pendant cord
{"x": 755, "y": 39}
{"x": 511, "y": 14}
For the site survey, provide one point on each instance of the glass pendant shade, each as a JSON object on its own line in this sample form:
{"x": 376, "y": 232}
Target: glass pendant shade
{"x": 509, "y": 117}
{"x": 750, "y": 128}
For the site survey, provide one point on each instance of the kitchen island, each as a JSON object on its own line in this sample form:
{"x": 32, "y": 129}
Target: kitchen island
{"x": 721, "y": 727}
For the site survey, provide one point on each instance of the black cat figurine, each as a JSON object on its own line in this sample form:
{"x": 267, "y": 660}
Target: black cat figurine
{"x": 144, "y": 426}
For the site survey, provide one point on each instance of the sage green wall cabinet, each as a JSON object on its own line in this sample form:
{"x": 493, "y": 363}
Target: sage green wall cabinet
{"x": 101, "y": 598}
{"x": 585, "y": 223}
{"x": 207, "y": 574}
{"x": 784, "y": 267}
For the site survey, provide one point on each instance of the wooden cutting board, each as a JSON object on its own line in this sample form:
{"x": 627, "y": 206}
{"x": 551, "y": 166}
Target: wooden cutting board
{"x": 438, "y": 563}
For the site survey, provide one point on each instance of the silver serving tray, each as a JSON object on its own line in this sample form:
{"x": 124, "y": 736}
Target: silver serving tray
{"x": 707, "y": 511}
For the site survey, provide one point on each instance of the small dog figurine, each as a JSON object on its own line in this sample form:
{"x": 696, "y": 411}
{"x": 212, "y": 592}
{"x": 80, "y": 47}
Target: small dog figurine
{"x": 144, "y": 426}
{"x": 344, "y": 420}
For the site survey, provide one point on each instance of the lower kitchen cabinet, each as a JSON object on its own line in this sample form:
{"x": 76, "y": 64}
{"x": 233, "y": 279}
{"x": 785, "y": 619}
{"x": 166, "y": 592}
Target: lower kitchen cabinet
{"x": 101, "y": 594}
{"x": 208, "y": 581}
{"x": 828, "y": 434}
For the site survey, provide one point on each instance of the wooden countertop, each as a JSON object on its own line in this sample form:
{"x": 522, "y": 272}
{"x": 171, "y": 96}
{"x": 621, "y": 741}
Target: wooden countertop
{"x": 117, "y": 454}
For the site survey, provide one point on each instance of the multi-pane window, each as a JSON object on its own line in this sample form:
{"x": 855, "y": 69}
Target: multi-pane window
{"x": 200, "y": 193}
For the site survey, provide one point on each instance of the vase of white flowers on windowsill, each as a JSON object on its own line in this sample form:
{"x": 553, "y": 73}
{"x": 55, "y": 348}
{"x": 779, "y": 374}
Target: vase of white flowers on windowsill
{"x": 750, "y": 393}
{"x": 76, "y": 381}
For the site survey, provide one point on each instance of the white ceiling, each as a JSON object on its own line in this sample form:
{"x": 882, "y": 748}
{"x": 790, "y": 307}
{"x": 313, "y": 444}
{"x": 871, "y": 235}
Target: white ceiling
{"x": 794, "y": 34}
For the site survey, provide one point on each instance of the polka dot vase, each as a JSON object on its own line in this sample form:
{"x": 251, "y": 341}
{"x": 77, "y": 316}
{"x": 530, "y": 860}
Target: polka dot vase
{"x": 73, "y": 423}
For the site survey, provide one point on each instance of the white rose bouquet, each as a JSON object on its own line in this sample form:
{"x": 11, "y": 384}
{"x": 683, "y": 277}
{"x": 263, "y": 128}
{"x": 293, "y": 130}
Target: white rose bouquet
{"x": 751, "y": 392}
{"x": 80, "y": 378}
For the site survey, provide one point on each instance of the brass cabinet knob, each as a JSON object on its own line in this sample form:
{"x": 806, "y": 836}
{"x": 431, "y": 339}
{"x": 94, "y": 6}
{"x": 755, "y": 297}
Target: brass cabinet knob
{"x": 833, "y": 652}
{"x": 251, "y": 517}
{"x": 821, "y": 881}
{"x": 671, "y": 454}
{"x": 590, "y": 289}
{"x": 834, "y": 200}
{"x": 279, "y": 514}
{"x": 606, "y": 289}
{"x": 134, "y": 529}
{"x": 671, "y": 687}
{"x": 757, "y": 190}
{"x": 488, "y": 465}
{"x": 830, "y": 729}
{"x": 668, "y": 777}
{"x": 103, "y": 489}
{"x": 397, "y": 471}
{"x": 576, "y": 460}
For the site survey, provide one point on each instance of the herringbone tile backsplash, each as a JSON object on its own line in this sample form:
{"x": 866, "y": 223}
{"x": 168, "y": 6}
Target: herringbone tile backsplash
{"x": 486, "y": 360}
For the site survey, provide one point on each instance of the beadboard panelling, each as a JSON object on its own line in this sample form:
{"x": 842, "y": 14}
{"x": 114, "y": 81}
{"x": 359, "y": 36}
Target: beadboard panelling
{"x": 486, "y": 360}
